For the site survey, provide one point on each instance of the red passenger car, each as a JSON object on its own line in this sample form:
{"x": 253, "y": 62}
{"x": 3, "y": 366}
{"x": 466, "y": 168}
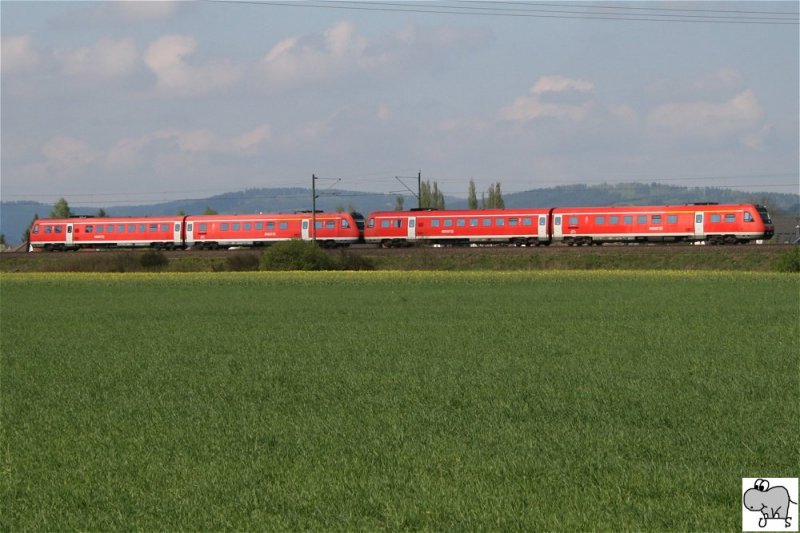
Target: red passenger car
{"x": 713, "y": 223}
{"x": 115, "y": 232}
{"x": 215, "y": 231}
{"x": 514, "y": 226}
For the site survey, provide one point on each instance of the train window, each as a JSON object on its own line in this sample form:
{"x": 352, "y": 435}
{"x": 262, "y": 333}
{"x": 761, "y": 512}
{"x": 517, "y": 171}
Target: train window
{"x": 188, "y": 226}
{"x": 573, "y": 221}
{"x": 371, "y": 223}
{"x": 59, "y": 229}
{"x": 672, "y": 219}
{"x": 527, "y": 221}
{"x": 487, "y": 222}
{"x": 247, "y": 226}
{"x": 283, "y": 225}
{"x": 142, "y": 228}
{"x": 461, "y": 222}
{"x": 203, "y": 226}
{"x": 330, "y": 224}
{"x": 730, "y": 218}
{"x": 627, "y": 219}
{"x": 656, "y": 219}
{"x": 448, "y": 223}
{"x": 748, "y": 217}
{"x": 435, "y": 223}
{"x": 716, "y": 218}
{"x": 110, "y": 228}
{"x": 236, "y": 226}
{"x": 89, "y": 229}
{"x": 345, "y": 224}
{"x": 223, "y": 227}
{"x": 177, "y": 227}
{"x": 641, "y": 219}
{"x": 99, "y": 228}
{"x": 36, "y": 228}
{"x": 386, "y": 223}
{"x": 121, "y": 228}
{"x": 48, "y": 229}
{"x": 557, "y": 221}
{"x": 613, "y": 219}
{"x": 153, "y": 228}
{"x": 473, "y": 222}
{"x": 600, "y": 220}
{"x": 500, "y": 222}
{"x": 259, "y": 226}
{"x": 513, "y": 221}
{"x": 270, "y": 225}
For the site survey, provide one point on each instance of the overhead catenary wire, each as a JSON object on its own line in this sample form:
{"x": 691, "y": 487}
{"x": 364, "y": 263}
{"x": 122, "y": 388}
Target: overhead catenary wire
{"x": 527, "y": 11}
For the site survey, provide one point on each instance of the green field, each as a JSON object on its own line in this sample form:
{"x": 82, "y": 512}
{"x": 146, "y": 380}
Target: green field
{"x": 380, "y": 400}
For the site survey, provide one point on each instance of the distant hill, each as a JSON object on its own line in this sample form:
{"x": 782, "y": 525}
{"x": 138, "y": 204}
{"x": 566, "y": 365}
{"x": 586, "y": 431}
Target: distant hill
{"x": 16, "y": 216}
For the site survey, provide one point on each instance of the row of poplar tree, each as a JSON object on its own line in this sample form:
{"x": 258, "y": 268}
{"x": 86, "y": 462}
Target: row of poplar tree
{"x": 431, "y": 197}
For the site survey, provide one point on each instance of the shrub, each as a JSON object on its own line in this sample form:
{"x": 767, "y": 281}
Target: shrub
{"x": 153, "y": 259}
{"x": 789, "y": 261}
{"x": 296, "y": 255}
{"x": 242, "y": 261}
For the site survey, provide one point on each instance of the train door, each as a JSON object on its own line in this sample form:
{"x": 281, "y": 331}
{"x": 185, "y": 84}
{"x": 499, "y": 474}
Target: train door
{"x": 177, "y": 238}
{"x": 412, "y": 228}
{"x": 699, "y": 230}
{"x": 306, "y": 235}
{"x": 190, "y": 234}
{"x": 542, "y": 231}
{"x": 558, "y": 230}
{"x": 69, "y": 234}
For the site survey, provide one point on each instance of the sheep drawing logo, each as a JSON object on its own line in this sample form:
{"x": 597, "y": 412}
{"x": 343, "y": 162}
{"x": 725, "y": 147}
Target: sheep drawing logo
{"x": 771, "y": 502}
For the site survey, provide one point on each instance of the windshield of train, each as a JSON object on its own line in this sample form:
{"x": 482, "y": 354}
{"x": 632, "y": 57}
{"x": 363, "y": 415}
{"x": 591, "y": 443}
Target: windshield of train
{"x": 764, "y": 214}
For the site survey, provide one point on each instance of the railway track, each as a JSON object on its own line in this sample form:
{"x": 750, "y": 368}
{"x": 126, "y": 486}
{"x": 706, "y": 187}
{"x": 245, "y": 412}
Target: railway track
{"x": 371, "y": 250}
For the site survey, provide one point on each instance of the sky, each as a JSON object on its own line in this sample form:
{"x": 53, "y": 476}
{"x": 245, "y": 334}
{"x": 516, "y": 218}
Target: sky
{"x": 111, "y": 103}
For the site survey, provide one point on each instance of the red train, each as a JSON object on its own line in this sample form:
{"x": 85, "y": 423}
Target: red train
{"x": 712, "y": 223}
{"x": 201, "y": 231}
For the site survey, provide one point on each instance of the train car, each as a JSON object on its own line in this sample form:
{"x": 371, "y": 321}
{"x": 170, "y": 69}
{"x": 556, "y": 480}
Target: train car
{"x": 224, "y": 231}
{"x": 707, "y": 222}
{"x": 454, "y": 227}
{"x": 112, "y": 232}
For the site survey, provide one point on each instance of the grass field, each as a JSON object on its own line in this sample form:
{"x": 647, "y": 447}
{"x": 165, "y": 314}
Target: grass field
{"x": 364, "y": 401}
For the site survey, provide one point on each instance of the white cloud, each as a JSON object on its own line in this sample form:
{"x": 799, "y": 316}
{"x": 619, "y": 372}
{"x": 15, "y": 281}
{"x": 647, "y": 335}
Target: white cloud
{"x": 66, "y": 155}
{"x": 558, "y": 84}
{"x": 106, "y": 59}
{"x": 18, "y": 54}
{"x": 167, "y": 58}
{"x": 709, "y": 121}
{"x": 535, "y": 106}
{"x": 130, "y": 152}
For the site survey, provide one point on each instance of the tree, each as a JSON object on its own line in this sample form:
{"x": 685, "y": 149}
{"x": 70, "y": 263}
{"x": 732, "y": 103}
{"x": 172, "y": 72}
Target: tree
{"x": 430, "y": 196}
{"x": 398, "y": 203}
{"x": 472, "y": 196}
{"x": 101, "y": 213}
{"x": 2, "y": 241}
{"x": 181, "y": 213}
{"x": 61, "y": 209}
{"x": 209, "y": 211}
{"x": 495, "y": 197}
{"x": 26, "y": 235}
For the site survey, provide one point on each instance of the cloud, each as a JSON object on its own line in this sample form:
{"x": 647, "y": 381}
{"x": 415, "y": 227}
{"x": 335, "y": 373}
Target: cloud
{"x": 104, "y": 60}
{"x": 539, "y": 103}
{"x": 66, "y": 155}
{"x": 167, "y": 58}
{"x": 130, "y": 152}
{"x": 18, "y": 54}
{"x": 709, "y": 121}
{"x": 341, "y": 51}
